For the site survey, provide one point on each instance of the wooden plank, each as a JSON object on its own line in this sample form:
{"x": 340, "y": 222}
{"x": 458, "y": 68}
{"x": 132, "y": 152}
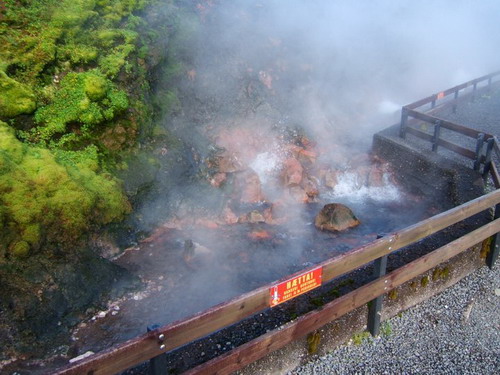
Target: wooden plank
{"x": 441, "y": 142}
{"x": 494, "y": 175}
{"x": 458, "y": 149}
{"x": 144, "y": 347}
{"x": 258, "y": 348}
{"x": 473, "y": 133}
{"x": 420, "y": 134}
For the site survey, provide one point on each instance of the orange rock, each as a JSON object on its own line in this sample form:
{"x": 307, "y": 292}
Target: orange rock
{"x": 255, "y": 217}
{"x": 229, "y": 163}
{"x": 307, "y": 156}
{"x": 259, "y": 235}
{"x": 331, "y": 178}
{"x": 376, "y": 176}
{"x": 311, "y": 189}
{"x": 293, "y": 172}
{"x": 207, "y": 223}
{"x": 250, "y": 188}
{"x": 298, "y": 194}
{"x": 229, "y": 217}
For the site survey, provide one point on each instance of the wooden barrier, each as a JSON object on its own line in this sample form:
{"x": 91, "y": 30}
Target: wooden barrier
{"x": 314, "y": 320}
{"x": 410, "y": 111}
{"x": 179, "y": 333}
{"x": 454, "y": 90}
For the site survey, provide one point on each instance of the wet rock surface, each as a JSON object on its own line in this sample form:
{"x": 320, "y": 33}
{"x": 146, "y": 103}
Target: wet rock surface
{"x": 336, "y": 217}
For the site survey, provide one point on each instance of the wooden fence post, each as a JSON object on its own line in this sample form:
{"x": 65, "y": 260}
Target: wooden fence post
{"x": 479, "y": 151}
{"x": 494, "y": 247}
{"x": 404, "y": 121}
{"x": 455, "y": 101}
{"x": 487, "y": 159}
{"x": 375, "y": 305}
{"x": 158, "y": 364}
{"x": 437, "y": 132}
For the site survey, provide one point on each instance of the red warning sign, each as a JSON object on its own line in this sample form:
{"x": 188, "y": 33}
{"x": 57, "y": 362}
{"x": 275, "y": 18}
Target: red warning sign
{"x": 296, "y": 286}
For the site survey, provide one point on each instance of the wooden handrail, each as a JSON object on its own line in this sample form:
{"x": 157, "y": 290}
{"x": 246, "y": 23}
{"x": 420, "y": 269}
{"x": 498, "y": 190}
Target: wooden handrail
{"x": 179, "y": 333}
{"x": 443, "y": 94}
{"x": 441, "y": 142}
{"x": 462, "y": 129}
{"x": 274, "y": 340}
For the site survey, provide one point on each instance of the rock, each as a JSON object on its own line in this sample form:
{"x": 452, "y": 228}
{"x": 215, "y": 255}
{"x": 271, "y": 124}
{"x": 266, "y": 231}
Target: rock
{"x": 229, "y": 163}
{"x": 255, "y": 217}
{"x": 376, "y": 176}
{"x": 298, "y": 194}
{"x": 249, "y": 186}
{"x": 229, "y": 217}
{"x": 310, "y": 186}
{"x": 218, "y": 179}
{"x": 336, "y": 217}
{"x": 257, "y": 235}
{"x": 293, "y": 171}
{"x": 307, "y": 157}
{"x": 331, "y": 178}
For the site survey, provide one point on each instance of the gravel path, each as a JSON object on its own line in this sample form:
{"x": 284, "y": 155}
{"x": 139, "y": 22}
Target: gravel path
{"x": 455, "y": 332}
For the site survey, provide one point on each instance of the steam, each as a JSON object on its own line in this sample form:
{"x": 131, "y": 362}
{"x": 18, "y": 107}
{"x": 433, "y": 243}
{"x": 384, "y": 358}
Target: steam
{"x": 352, "y": 188}
{"x": 340, "y": 70}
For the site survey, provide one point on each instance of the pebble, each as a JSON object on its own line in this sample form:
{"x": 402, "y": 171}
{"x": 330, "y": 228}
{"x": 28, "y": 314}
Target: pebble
{"x": 417, "y": 346}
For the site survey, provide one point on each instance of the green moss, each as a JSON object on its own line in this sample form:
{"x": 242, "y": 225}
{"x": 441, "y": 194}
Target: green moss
{"x": 32, "y": 235}
{"x": 393, "y": 294}
{"x": 313, "y": 341}
{"x": 386, "y": 328}
{"x": 15, "y": 98}
{"x": 424, "y": 281}
{"x": 49, "y": 201}
{"x": 361, "y": 337}
{"x": 445, "y": 272}
{"x": 87, "y": 99}
{"x": 20, "y": 250}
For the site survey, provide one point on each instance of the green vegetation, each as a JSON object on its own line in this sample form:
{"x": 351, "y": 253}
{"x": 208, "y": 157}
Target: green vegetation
{"x": 44, "y": 201}
{"x": 386, "y": 328}
{"x": 424, "y": 281}
{"x": 361, "y": 337}
{"x": 74, "y": 103}
{"x": 393, "y": 294}
{"x": 313, "y": 341}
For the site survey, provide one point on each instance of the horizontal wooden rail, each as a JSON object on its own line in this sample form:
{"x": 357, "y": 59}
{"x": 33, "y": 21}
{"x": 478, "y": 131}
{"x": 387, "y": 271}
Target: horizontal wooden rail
{"x": 453, "y": 90}
{"x": 473, "y": 133}
{"x": 258, "y": 348}
{"x": 179, "y": 333}
{"x": 441, "y": 142}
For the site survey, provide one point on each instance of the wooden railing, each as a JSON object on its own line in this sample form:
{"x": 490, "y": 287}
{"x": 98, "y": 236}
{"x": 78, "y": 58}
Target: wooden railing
{"x": 171, "y": 336}
{"x": 486, "y": 143}
{"x": 177, "y": 334}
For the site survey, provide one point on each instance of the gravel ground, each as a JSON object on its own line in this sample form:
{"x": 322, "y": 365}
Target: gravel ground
{"x": 455, "y": 332}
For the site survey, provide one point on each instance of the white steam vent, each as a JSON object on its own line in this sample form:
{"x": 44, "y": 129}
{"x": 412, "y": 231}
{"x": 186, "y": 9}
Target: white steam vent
{"x": 264, "y": 165}
{"x": 351, "y": 186}
{"x": 388, "y": 107}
